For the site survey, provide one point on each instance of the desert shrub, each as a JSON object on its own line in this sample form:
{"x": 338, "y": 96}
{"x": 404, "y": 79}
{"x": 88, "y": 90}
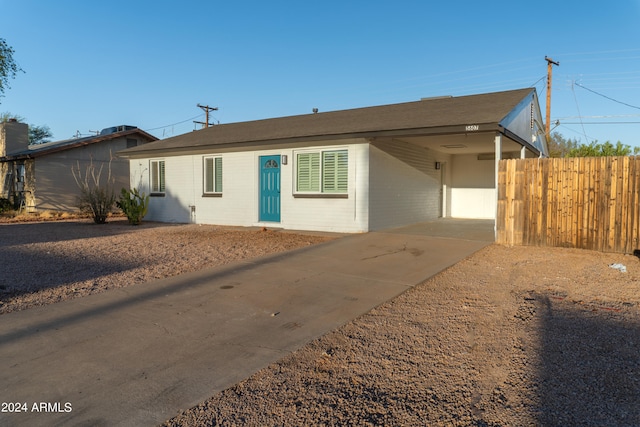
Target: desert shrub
{"x": 96, "y": 198}
{"x": 97, "y": 202}
{"x": 133, "y": 204}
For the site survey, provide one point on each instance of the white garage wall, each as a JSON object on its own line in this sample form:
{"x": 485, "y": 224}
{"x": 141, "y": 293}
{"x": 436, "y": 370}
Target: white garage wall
{"x": 404, "y": 185}
{"x": 473, "y": 193}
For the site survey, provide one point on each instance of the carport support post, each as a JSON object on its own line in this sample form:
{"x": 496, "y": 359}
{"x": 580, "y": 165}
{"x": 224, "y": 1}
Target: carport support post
{"x": 498, "y": 142}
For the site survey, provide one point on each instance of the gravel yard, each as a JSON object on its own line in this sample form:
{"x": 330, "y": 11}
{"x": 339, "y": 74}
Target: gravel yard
{"x": 508, "y": 337}
{"x": 46, "y": 262}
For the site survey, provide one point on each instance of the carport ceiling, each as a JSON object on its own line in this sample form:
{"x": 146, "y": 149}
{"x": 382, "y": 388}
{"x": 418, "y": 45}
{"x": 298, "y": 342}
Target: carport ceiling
{"x": 466, "y": 143}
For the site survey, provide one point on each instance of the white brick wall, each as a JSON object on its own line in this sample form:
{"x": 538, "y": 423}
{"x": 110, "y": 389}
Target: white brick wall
{"x": 238, "y": 204}
{"x": 404, "y": 185}
{"x": 391, "y": 184}
{"x": 174, "y": 205}
{"x": 330, "y": 214}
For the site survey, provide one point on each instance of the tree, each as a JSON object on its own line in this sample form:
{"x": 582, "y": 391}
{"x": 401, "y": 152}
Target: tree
{"x": 8, "y": 67}
{"x": 7, "y": 116}
{"x": 559, "y": 146}
{"x": 37, "y": 134}
{"x": 562, "y": 147}
{"x": 594, "y": 149}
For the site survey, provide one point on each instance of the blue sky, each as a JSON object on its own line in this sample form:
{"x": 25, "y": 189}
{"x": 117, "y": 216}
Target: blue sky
{"x": 94, "y": 64}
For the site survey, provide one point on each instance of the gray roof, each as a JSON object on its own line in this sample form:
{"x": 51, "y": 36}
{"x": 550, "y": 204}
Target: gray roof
{"x": 38, "y": 150}
{"x": 444, "y": 115}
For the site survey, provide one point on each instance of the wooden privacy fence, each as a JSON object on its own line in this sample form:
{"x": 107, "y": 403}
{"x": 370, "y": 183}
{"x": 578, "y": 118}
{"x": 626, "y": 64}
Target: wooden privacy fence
{"x": 582, "y": 202}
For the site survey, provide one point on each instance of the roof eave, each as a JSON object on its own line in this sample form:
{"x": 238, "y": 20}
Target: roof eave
{"x": 140, "y": 152}
{"x": 84, "y": 142}
{"x": 506, "y": 132}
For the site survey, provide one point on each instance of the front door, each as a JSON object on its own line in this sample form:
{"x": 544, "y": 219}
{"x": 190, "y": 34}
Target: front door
{"x": 270, "y": 188}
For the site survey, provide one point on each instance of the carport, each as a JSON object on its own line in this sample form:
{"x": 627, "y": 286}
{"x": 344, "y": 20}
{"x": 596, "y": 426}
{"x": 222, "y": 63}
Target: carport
{"x": 466, "y": 142}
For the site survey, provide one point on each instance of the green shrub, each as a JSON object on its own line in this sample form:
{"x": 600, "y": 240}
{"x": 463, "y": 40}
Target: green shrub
{"x": 133, "y": 204}
{"x": 6, "y": 205}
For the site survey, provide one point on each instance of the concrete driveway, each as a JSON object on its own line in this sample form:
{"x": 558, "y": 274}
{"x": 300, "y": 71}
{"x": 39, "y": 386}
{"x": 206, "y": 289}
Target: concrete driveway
{"x": 138, "y": 356}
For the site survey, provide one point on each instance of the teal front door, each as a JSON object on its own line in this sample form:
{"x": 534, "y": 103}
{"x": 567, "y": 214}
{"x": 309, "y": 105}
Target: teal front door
{"x": 270, "y": 188}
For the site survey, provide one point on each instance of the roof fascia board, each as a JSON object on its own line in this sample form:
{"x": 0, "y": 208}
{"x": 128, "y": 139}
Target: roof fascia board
{"x": 524, "y": 103}
{"x": 506, "y": 132}
{"x": 248, "y": 145}
{"x": 239, "y": 147}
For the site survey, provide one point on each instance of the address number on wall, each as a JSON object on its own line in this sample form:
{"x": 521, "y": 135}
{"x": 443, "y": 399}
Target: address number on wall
{"x": 471, "y": 128}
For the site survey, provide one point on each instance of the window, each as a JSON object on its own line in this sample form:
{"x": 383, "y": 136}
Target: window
{"x": 322, "y": 172}
{"x": 212, "y": 175}
{"x": 131, "y": 142}
{"x": 157, "y": 177}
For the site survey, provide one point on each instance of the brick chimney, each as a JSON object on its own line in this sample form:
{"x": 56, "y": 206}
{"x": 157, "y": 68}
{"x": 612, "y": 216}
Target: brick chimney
{"x": 14, "y": 137}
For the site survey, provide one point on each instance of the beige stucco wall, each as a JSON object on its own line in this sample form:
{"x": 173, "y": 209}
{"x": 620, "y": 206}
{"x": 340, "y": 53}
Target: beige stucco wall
{"x": 56, "y": 187}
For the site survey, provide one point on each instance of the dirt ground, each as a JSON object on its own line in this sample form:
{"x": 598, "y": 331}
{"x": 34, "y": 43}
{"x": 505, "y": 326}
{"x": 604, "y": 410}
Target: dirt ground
{"x": 507, "y": 337}
{"x": 47, "y": 262}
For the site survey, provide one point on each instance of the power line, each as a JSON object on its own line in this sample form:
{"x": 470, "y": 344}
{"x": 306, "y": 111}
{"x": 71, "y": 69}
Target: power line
{"x": 609, "y": 116}
{"x": 607, "y": 97}
{"x": 538, "y": 81}
{"x": 573, "y": 90}
{"x": 174, "y": 124}
{"x": 601, "y": 52}
{"x": 600, "y": 123}
{"x": 575, "y": 131}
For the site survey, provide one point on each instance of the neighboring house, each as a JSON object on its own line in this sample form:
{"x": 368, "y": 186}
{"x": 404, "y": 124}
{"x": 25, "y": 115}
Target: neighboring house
{"x": 41, "y": 175}
{"x": 346, "y": 171}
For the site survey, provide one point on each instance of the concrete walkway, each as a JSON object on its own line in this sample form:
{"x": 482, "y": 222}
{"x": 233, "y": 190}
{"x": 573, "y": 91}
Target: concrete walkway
{"x": 137, "y": 356}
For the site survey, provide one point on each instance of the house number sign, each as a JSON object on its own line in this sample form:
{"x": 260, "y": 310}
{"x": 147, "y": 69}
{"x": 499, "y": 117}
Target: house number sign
{"x": 472, "y": 128}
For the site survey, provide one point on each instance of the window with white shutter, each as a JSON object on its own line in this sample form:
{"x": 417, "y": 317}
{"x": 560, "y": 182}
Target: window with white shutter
{"x": 212, "y": 175}
{"x": 157, "y": 177}
{"x": 322, "y": 172}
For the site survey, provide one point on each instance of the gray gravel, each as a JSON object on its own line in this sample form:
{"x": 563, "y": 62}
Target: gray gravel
{"x": 46, "y": 262}
{"x": 508, "y": 337}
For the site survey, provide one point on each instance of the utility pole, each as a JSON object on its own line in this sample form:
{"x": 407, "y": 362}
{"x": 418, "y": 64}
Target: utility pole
{"x": 547, "y": 124}
{"x": 206, "y": 109}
